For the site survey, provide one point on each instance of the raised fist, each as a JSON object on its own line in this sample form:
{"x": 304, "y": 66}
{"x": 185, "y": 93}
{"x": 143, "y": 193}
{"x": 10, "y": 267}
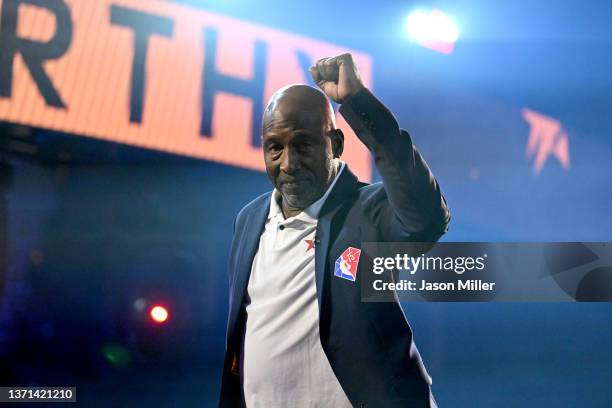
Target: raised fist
{"x": 337, "y": 77}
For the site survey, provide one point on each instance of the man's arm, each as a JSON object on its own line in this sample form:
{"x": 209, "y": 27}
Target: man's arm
{"x": 417, "y": 211}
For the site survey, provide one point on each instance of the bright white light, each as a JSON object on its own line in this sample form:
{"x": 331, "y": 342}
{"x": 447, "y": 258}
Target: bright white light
{"x": 432, "y": 29}
{"x": 159, "y": 314}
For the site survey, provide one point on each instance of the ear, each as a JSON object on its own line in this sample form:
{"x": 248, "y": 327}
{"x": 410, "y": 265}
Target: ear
{"x": 337, "y": 141}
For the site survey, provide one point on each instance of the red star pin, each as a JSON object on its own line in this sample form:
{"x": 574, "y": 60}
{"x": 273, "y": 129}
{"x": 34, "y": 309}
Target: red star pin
{"x": 310, "y": 243}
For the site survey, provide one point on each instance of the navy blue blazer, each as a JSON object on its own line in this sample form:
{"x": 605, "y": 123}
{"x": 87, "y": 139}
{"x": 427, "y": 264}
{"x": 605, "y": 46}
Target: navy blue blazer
{"x": 369, "y": 344}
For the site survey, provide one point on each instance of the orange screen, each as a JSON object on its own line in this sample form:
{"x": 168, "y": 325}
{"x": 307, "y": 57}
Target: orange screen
{"x": 155, "y": 75}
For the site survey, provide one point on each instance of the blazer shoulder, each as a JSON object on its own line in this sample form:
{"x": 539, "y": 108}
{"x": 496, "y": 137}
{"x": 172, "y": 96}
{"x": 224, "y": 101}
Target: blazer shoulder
{"x": 373, "y": 198}
{"x": 369, "y": 192}
{"x": 370, "y": 195}
{"x": 253, "y": 205}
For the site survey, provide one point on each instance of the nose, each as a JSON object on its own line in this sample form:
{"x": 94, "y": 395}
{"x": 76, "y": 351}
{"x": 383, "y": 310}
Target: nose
{"x": 290, "y": 161}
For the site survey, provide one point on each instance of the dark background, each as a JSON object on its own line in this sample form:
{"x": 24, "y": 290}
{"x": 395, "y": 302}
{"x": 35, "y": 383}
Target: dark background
{"x": 87, "y": 228}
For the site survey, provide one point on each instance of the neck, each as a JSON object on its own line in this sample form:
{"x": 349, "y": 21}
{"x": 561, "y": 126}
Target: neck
{"x": 289, "y": 212}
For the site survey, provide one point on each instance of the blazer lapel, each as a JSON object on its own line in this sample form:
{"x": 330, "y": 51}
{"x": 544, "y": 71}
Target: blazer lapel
{"x": 246, "y": 253}
{"x": 344, "y": 187}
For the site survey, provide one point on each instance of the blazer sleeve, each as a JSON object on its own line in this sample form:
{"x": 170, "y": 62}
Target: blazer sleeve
{"x": 409, "y": 205}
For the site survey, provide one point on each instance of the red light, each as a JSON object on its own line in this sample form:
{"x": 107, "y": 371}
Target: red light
{"x": 159, "y": 314}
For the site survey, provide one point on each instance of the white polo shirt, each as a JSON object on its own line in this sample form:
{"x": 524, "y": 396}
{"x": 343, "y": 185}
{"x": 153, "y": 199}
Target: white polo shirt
{"x": 284, "y": 362}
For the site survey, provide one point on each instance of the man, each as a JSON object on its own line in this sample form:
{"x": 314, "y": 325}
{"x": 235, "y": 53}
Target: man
{"x": 298, "y": 334}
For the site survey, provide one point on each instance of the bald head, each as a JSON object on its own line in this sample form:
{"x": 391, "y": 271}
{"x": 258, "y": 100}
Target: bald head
{"x": 301, "y": 145}
{"x": 292, "y": 98}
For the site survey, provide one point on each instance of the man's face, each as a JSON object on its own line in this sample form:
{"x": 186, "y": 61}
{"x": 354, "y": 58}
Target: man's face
{"x": 298, "y": 153}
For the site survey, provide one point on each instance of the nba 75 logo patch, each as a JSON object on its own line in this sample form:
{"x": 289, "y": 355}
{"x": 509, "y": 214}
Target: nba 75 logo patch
{"x": 346, "y": 264}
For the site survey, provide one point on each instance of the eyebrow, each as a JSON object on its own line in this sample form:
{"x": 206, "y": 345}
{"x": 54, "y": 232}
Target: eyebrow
{"x": 269, "y": 141}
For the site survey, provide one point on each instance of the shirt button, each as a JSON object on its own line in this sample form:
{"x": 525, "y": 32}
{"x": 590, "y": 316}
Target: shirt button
{"x": 282, "y": 227}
